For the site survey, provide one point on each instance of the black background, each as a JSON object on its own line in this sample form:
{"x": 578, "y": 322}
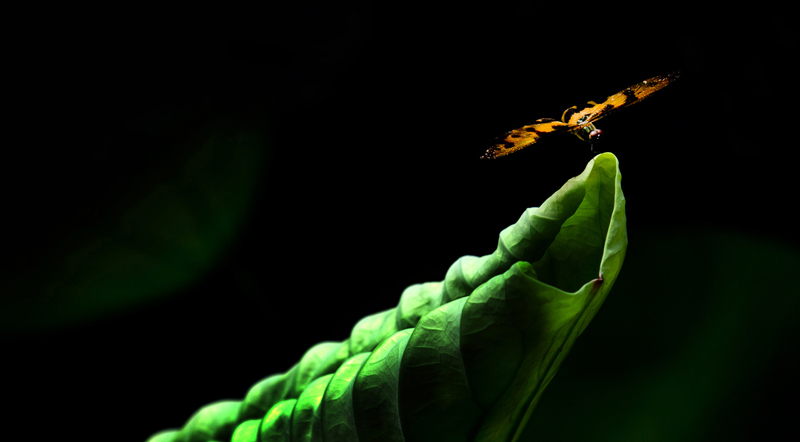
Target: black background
{"x": 376, "y": 116}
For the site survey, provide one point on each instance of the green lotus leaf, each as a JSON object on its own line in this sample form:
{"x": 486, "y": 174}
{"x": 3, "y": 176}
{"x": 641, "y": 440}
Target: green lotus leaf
{"x": 464, "y": 359}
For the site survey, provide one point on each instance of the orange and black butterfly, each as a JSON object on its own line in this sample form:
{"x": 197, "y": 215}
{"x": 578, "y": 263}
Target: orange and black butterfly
{"x": 577, "y": 122}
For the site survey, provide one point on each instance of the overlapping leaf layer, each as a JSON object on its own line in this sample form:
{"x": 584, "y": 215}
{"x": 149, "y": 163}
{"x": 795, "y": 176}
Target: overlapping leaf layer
{"x": 464, "y": 359}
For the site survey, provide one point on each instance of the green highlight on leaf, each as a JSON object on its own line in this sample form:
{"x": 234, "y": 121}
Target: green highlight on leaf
{"x": 247, "y": 431}
{"x": 463, "y": 359}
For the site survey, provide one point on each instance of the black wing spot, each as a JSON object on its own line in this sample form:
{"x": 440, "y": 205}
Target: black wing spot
{"x": 568, "y": 114}
{"x": 629, "y": 93}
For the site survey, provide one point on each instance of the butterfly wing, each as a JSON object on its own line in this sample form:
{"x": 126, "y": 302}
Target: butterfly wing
{"x": 523, "y": 137}
{"x": 634, "y": 94}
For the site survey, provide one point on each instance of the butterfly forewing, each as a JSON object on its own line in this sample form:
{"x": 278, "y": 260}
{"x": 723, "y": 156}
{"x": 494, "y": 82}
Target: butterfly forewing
{"x": 634, "y": 94}
{"x": 517, "y": 139}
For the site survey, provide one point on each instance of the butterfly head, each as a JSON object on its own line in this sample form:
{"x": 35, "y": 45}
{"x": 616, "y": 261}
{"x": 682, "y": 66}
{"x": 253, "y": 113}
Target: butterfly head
{"x": 588, "y": 133}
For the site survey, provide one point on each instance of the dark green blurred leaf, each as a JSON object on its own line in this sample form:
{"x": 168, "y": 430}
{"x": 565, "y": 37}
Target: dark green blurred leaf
{"x": 170, "y": 222}
{"x": 684, "y": 348}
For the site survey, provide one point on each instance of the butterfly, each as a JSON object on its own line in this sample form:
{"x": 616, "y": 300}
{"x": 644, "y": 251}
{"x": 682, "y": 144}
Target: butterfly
{"x": 577, "y": 122}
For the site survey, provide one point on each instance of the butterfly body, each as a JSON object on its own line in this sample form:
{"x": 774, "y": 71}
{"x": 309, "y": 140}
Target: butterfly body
{"x": 579, "y": 122}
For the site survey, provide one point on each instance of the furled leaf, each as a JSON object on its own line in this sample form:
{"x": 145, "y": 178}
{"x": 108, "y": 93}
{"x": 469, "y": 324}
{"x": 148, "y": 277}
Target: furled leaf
{"x": 464, "y": 359}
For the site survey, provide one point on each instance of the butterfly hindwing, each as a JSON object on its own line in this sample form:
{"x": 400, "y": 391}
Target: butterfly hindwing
{"x": 517, "y": 139}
